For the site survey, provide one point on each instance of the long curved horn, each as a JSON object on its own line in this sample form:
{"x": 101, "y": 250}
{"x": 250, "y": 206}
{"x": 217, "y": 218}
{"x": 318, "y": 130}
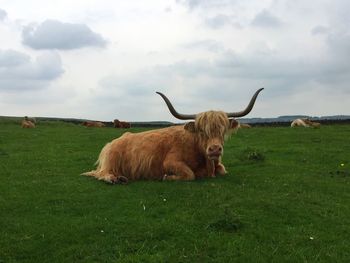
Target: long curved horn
{"x": 248, "y": 109}
{"x": 174, "y": 112}
{"x": 193, "y": 116}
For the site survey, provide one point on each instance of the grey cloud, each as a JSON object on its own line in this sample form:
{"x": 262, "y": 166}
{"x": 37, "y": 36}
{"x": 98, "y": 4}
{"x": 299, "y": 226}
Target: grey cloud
{"x": 217, "y": 8}
{"x": 232, "y": 71}
{"x": 12, "y": 58}
{"x": 319, "y": 30}
{"x": 129, "y": 96}
{"x": 283, "y": 74}
{"x": 19, "y": 72}
{"x": 219, "y": 21}
{"x": 3, "y": 14}
{"x": 53, "y": 34}
{"x": 338, "y": 34}
{"x": 192, "y": 4}
{"x": 266, "y": 19}
{"x": 339, "y": 45}
{"x": 187, "y": 84}
{"x": 168, "y": 9}
{"x": 225, "y": 83}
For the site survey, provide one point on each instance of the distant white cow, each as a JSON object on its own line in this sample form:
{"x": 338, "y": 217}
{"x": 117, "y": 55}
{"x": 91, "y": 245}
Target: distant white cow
{"x": 305, "y": 123}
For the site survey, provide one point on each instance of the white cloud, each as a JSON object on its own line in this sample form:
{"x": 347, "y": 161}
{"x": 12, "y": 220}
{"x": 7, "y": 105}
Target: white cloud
{"x": 207, "y": 44}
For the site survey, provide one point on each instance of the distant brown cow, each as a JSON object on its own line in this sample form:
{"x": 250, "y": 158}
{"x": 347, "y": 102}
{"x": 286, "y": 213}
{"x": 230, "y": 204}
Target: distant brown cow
{"x": 26, "y": 123}
{"x": 183, "y": 152}
{"x": 305, "y": 123}
{"x": 32, "y": 119}
{"x": 121, "y": 124}
{"x": 244, "y": 126}
{"x": 93, "y": 124}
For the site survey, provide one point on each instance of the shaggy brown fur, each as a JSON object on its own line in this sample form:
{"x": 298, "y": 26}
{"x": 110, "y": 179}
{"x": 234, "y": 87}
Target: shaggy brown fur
{"x": 27, "y": 124}
{"x": 93, "y": 124}
{"x": 174, "y": 153}
{"x": 31, "y": 119}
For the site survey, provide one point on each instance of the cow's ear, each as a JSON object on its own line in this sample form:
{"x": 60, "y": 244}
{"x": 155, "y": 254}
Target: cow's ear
{"x": 233, "y": 124}
{"x": 189, "y": 126}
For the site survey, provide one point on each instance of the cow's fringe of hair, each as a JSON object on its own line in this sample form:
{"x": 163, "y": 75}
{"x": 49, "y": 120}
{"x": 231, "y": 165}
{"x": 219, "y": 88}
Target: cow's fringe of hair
{"x": 212, "y": 123}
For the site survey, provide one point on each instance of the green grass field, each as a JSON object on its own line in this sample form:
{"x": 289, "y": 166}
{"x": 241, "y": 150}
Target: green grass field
{"x": 286, "y": 199}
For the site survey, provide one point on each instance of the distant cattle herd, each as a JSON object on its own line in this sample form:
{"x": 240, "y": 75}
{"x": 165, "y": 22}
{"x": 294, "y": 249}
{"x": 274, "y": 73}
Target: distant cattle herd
{"x": 30, "y": 122}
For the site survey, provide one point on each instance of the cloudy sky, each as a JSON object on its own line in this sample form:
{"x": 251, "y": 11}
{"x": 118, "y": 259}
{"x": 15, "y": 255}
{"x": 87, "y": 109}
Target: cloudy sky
{"x": 106, "y": 59}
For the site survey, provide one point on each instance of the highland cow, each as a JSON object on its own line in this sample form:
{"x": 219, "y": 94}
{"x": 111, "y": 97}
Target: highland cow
{"x": 185, "y": 152}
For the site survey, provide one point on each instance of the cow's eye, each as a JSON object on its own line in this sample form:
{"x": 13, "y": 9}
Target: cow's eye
{"x": 202, "y": 133}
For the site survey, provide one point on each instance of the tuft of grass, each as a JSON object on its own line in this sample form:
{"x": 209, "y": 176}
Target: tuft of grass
{"x": 251, "y": 154}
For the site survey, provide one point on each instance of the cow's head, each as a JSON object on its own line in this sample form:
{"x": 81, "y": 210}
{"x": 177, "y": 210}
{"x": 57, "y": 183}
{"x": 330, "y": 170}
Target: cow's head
{"x": 210, "y": 127}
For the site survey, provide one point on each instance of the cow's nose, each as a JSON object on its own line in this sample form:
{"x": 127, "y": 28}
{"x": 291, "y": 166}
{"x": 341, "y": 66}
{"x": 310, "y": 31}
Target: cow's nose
{"x": 215, "y": 149}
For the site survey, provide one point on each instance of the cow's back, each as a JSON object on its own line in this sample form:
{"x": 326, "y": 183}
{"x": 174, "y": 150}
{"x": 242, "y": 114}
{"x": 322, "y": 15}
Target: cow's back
{"x": 141, "y": 155}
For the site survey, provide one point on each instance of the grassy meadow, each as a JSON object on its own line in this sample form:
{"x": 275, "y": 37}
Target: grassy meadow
{"x": 286, "y": 199}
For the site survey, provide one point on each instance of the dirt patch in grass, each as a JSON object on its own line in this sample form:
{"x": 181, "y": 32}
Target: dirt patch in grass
{"x": 228, "y": 222}
{"x": 339, "y": 173}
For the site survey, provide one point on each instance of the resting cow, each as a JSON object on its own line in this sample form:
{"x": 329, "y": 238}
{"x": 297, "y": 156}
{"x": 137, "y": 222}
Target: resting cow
{"x": 26, "y": 123}
{"x": 31, "y": 119}
{"x": 244, "y": 126}
{"x": 183, "y": 152}
{"x": 121, "y": 124}
{"x": 305, "y": 123}
{"x": 93, "y": 124}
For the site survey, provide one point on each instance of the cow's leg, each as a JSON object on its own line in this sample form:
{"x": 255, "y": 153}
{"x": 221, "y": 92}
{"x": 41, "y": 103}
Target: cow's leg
{"x": 211, "y": 169}
{"x": 177, "y": 170}
{"x": 117, "y": 179}
{"x": 108, "y": 177}
{"x": 206, "y": 170}
{"x": 220, "y": 168}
